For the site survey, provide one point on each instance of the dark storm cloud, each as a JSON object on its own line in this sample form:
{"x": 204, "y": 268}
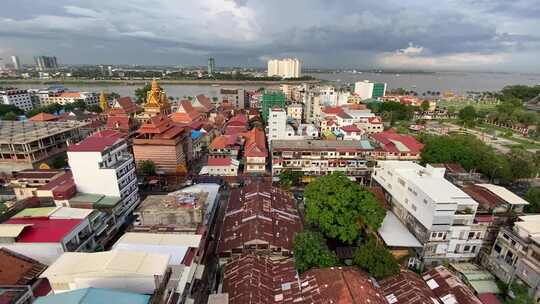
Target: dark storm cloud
{"x": 244, "y": 32}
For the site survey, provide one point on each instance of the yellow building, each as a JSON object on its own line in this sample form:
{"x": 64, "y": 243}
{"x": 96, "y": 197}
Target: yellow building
{"x": 156, "y": 103}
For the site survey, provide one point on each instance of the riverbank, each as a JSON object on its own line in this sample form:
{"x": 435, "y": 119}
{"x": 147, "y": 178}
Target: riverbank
{"x": 144, "y": 81}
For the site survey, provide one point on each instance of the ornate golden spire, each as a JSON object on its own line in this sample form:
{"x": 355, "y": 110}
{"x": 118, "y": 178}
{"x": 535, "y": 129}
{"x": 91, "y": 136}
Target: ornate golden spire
{"x": 156, "y": 100}
{"x": 103, "y": 103}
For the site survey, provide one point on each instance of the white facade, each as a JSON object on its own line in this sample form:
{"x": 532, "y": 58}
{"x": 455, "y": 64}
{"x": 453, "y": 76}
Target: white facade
{"x": 19, "y": 98}
{"x": 438, "y": 213}
{"x": 285, "y": 68}
{"x": 364, "y": 89}
{"x": 110, "y": 172}
{"x": 47, "y": 97}
{"x": 278, "y": 128}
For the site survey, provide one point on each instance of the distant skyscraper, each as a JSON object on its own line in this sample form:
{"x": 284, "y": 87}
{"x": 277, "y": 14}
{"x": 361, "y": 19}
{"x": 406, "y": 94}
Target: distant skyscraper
{"x": 16, "y": 62}
{"x": 46, "y": 63}
{"x": 211, "y": 66}
{"x": 286, "y": 68}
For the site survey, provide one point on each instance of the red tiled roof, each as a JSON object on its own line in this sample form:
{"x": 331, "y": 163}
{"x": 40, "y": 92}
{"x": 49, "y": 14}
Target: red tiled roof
{"x": 186, "y": 113}
{"x": 374, "y": 120}
{"x": 332, "y": 110}
{"x": 488, "y": 298}
{"x": 450, "y": 285}
{"x": 43, "y": 117}
{"x": 224, "y": 141}
{"x": 407, "y": 288}
{"x": 17, "y": 269}
{"x": 230, "y": 130}
{"x": 351, "y": 128}
{"x": 205, "y": 102}
{"x": 70, "y": 94}
{"x": 255, "y": 145}
{"x": 44, "y": 230}
{"x": 128, "y": 105}
{"x": 160, "y": 127}
{"x": 259, "y": 279}
{"x": 343, "y": 285}
{"x": 260, "y": 212}
{"x": 62, "y": 187}
{"x": 97, "y": 142}
{"x": 238, "y": 120}
{"x": 118, "y": 122}
{"x": 219, "y": 161}
{"x": 386, "y": 140}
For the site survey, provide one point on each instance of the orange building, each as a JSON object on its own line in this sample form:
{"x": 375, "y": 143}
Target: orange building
{"x": 165, "y": 143}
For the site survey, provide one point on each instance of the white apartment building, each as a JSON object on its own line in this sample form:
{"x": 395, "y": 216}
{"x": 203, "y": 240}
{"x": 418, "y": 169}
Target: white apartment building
{"x": 47, "y": 97}
{"x": 17, "y": 97}
{"x": 279, "y": 128}
{"x": 439, "y": 214}
{"x": 102, "y": 164}
{"x": 285, "y": 68}
{"x": 366, "y": 89}
{"x": 312, "y": 106}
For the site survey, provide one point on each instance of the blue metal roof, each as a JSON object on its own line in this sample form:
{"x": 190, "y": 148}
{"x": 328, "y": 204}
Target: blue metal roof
{"x": 94, "y": 296}
{"x": 196, "y": 134}
{"x": 365, "y": 144}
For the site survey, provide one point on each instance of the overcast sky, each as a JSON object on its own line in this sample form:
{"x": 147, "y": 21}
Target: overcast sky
{"x": 425, "y": 34}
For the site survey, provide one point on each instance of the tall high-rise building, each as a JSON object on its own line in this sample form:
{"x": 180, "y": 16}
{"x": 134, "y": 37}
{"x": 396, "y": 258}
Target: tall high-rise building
{"x": 44, "y": 63}
{"x": 286, "y": 68}
{"x": 211, "y": 66}
{"x": 366, "y": 89}
{"x": 16, "y": 62}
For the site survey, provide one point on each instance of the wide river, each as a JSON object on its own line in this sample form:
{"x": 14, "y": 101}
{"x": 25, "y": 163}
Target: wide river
{"x": 459, "y": 82}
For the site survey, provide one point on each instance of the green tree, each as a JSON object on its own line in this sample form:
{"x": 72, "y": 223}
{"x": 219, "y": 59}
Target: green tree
{"x": 4, "y": 109}
{"x": 140, "y": 93}
{"x": 59, "y": 161}
{"x": 94, "y": 109}
{"x": 10, "y": 116}
{"x": 467, "y": 115}
{"x": 146, "y": 167}
{"x": 424, "y": 106}
{"x": 288, "y": 178}
{"x": 533, "y": 197}
{"x": 341, "y": 208}
{"x": 375, "y": 259}
{"x": 522, "y": 163}
{"x": 468, "y": 151}
{"x": 521, "y": 295}
{"x": 310, "y": 250}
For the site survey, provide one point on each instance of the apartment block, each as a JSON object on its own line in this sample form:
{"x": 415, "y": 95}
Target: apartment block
{"x": 102, "y": 165}
{"x": 515, "y": 256}
{"x": 439, "y": 214}
{"x": 321, "y": 157}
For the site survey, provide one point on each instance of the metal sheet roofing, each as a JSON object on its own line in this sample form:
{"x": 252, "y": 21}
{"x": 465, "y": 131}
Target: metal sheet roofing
{"x": 395, "y": 234}
{"x": 114, "y": 263}
{"x": 44, "y": 230}
{"x": 175, "y": 245}
{"x": 12, "y": 230}
{"x": 505, "y": 194}
{"x": 94, "y": 296}
{"x": 35, "y": 212}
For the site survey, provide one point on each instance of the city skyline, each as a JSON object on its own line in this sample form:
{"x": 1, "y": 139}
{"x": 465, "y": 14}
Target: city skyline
{"x": 454, "y": 35}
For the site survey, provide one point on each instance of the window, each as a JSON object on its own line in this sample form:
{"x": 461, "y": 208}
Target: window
{"x": 497, "y": 248}
{"x": 467, "y": 248}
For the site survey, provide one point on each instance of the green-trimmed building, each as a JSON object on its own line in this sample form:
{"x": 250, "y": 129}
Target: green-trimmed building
{"x": 272, "y": 99}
